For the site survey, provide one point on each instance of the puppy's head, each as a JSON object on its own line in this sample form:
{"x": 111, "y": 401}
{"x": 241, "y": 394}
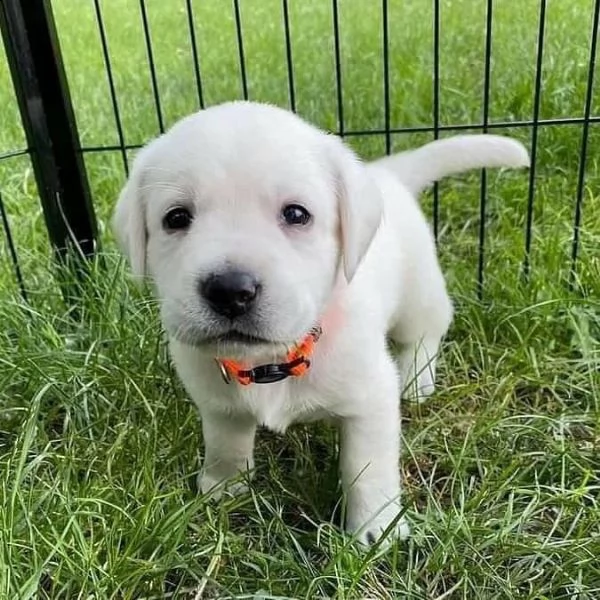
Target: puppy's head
{"x": 243, "y": 215}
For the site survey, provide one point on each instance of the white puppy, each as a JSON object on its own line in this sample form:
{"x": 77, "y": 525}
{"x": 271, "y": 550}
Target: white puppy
{"x": 256, "y": 229}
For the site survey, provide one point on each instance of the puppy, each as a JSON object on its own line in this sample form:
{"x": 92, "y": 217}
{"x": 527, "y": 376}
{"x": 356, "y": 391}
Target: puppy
{"x": 284, "y": 266}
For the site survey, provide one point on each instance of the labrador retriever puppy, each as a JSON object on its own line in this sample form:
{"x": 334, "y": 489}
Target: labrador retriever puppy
{"x": 284, "y": 267}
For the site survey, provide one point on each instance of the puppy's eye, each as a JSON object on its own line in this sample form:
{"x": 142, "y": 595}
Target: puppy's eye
{"x": 294, "y": 214}
{"x": 177, "y": 218}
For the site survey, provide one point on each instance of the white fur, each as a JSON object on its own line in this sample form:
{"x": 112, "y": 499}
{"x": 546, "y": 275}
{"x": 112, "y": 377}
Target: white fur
{"x": 366, "y": 267}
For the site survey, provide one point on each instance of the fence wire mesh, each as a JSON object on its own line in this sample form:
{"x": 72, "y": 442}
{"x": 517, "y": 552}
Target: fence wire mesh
{"x": 298, "y": 27}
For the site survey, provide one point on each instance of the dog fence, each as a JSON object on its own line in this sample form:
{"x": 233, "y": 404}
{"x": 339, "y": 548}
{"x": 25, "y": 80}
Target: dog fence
{"x": 52, "y": 141}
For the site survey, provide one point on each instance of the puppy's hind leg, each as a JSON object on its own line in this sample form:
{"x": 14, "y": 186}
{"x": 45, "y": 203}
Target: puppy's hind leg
{"x": 419, "y": 342}
{"x": 417, "y": 365}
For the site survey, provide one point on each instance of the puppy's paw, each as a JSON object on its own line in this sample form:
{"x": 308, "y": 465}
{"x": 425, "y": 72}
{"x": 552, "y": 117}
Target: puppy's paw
{"x": 213, "y": 487}
{"x": 368, "y": 526}
{"x": 372, "y": 533}
{"x": 420, "y": 387}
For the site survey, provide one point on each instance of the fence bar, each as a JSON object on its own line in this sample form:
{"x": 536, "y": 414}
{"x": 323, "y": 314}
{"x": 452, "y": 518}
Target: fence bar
{"x": 192, "y": 28}
{"x": 537, "y": 95}
{"x": 42, "y": 92}
{"x": 14, "y": 153}
{"x": 111, "y": 85}
{"x": 288, "y": 55}
{"x": 386, "y": 77}
{"x": 436, "y": 109}
{"x": 584, "y": 141}
{"x": 393, "y": 130}
{"x": 153, "y": 78}
{"x": 467, "y": 126}
{"x": 486, "y": 118}
{"x": 12, "y": 250}
{"x": 338, "y": 68}
{"x": 240, "y": 43}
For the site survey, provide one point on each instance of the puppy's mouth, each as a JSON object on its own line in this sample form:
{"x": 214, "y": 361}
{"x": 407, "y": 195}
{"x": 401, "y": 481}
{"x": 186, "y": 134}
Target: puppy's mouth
{"x": 238, "y": 337}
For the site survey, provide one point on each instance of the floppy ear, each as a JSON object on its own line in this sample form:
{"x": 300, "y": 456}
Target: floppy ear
{"x": 129, "y": 221}
{"x": 359, "y": 203}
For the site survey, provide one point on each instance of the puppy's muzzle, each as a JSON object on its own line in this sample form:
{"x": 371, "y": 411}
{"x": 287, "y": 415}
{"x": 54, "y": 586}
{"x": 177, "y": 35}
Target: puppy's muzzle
{"x": 231, "y": 294}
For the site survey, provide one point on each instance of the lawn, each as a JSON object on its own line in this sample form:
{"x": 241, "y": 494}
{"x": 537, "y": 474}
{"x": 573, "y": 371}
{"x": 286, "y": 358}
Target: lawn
{"x": 98, "y": 444}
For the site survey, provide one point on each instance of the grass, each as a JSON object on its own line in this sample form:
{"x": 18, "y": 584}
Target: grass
{"x": 98, "y": 443}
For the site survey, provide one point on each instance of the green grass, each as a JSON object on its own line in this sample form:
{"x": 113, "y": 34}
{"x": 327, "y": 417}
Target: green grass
{"x": 98, "y": 443}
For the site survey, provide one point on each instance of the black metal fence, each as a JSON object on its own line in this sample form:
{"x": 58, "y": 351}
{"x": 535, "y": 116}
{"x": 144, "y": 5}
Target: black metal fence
{"x": 57, "y": 157}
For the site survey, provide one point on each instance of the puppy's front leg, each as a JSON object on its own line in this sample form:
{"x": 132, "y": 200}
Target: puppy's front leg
{"x": 370, "y": 449}
{"x": 228, "y": 451}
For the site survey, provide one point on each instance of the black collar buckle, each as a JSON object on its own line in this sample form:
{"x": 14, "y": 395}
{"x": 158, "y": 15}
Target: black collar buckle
{"x": 272, "y": 373}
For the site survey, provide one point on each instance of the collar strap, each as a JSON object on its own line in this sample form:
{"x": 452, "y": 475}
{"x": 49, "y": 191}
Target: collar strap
{"x": 296, "y": 364}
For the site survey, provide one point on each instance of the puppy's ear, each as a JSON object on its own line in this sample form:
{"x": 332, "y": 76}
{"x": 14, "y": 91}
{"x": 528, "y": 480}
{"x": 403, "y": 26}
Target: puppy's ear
{"x": 129, "y": 220}
{"x": 359, "y": 203}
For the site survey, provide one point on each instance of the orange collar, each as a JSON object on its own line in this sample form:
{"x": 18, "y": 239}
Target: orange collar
{"x": 296, "y": 364}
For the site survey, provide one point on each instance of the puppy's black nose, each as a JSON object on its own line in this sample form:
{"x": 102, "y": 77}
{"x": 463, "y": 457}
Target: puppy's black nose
{"x": 231, "y": 293}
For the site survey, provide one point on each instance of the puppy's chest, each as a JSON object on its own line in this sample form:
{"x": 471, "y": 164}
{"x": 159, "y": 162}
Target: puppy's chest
{"x": 278, "y": 405}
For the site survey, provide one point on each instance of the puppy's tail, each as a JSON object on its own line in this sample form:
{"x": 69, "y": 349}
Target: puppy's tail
{"x": 419, "y": 168}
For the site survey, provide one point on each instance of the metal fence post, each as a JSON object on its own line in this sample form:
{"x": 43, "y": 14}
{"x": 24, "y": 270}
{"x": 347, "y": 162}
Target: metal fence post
{"x": 43, "y": 95}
